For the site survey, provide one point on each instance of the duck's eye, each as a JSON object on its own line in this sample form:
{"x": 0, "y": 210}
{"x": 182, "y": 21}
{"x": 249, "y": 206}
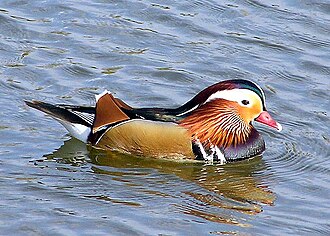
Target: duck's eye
{"x": 245, "y": 102}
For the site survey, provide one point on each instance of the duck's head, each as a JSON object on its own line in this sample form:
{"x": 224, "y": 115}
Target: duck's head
{"x": 223, "y": 114}
{"x": 246, "y": 97}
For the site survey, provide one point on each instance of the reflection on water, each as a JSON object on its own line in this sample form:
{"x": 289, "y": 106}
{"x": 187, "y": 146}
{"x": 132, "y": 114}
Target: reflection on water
{"x": 237, "y": 187}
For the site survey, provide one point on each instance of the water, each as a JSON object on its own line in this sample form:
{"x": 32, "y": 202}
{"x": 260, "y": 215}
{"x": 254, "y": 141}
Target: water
{"x": 161, "y": 53}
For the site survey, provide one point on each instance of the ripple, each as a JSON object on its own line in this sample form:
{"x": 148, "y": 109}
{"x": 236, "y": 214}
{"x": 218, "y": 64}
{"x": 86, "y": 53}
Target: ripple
{"x": 76, "y": 69}
{"x": 316, "y": 67}
{"x": 297, "y": 162}
{"x": 116, "y": 201}
{"x": 310, "y": 40}
{"x": 287, "y": 76}
{"x": 216, "y": 201}
{"x": 262, "y": 42}
{"x": 213, "y": 217}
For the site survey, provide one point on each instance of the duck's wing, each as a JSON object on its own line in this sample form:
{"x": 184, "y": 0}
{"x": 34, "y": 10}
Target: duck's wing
{"x": 108, "y": 111}
{"x": 148, "y": 138}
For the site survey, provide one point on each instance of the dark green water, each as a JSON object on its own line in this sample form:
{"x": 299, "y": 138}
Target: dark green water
{"x": 161, "y": 53}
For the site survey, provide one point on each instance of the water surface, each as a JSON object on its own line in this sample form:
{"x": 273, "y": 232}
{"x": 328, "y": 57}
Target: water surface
{"x": 161, "y": 53}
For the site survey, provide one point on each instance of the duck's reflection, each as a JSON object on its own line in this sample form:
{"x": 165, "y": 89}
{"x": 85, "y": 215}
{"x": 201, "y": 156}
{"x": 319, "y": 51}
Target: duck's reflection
{"x": 238, "y": 186}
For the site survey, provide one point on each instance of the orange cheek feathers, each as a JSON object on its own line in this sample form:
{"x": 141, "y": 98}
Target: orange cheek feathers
{"x": 248, "y": 114}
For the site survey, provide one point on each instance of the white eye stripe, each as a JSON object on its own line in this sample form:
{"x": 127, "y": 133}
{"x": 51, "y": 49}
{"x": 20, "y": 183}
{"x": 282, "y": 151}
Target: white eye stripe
{"x": 235, "y": 95}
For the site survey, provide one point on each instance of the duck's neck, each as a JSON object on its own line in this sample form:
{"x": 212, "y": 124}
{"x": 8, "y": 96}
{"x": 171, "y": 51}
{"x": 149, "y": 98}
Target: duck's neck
{"x": 253, "y": 146}
{"x": 225, "y": 130}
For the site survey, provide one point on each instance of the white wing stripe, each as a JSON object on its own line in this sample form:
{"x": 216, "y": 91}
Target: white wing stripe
{"x": 89, "y": 118}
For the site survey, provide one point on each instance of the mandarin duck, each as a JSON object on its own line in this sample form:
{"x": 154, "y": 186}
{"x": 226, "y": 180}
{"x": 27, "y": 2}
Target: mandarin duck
{"x": 215, "y": 125}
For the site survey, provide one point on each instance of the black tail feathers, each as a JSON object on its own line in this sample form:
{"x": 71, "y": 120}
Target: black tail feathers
{"x": 59, "y": 112}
